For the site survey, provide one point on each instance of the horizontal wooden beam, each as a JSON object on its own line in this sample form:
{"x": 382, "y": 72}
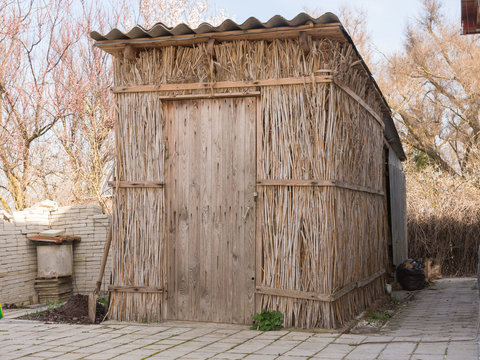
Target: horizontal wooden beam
{"x": 320, "y": 183}
{"x": 360, "y": 101}
{"x": 318, "y": 296}
{"x": 209, "y": 96}
{"x": 293, "y": 293}
{"x": 357, "y": 284}
{"x": 135, "y": 289}
{"x": 316, "y": 31}
{"x": 223, "y": 84}
{"x": 136, "y": 184}
{"x": 295, "y": 182}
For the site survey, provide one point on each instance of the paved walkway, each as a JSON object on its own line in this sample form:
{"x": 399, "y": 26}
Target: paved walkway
{"x": 440, "y": 323}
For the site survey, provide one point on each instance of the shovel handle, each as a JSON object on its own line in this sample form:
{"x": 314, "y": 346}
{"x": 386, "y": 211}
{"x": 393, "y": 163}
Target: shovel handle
{"x": 104, "y": 261}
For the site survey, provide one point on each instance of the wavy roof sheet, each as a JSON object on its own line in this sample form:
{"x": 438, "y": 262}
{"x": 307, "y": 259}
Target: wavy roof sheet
{"x": 160, "y": 29}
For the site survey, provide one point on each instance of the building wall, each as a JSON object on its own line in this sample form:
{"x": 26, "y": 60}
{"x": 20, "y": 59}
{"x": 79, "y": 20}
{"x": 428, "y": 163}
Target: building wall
{"x": 398, "y": 208}
{"x": 18, "y": 265}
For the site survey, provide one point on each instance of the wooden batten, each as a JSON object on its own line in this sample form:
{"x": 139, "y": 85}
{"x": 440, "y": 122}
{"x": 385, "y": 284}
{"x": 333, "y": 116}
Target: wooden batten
{"x": 296, "y": 294}
{"x": 135, "y": 289}
{"x": 223, "y": 84}
{"x": 136, "y": 184}
{"x": 209, "y": 95}
{"x": 362, "y": 102}
{"x": 320, "y": 183}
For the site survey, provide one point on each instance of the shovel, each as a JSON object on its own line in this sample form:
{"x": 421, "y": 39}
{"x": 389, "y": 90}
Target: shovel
{"x": 92, "y": 298}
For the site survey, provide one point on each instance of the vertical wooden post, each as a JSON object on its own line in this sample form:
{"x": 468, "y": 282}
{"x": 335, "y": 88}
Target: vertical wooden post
{"x": 478, "y": 271}
{"x": 258, "y": 205}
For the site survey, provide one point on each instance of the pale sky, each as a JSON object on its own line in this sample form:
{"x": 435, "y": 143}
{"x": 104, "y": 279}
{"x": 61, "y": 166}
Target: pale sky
{"x": 386, "y": 18}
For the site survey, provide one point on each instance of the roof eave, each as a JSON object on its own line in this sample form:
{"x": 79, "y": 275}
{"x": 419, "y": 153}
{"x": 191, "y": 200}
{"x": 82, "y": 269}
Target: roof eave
{"x": 332, "y": 31}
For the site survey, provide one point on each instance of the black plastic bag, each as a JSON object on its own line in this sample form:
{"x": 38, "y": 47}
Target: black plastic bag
{"x": 411, "y": 275}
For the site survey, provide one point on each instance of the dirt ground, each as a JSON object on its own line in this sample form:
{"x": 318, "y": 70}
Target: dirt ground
{"x": 74, "y": 311}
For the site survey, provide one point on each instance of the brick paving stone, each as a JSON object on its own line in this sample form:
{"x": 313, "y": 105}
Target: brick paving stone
{"x": 48, "y": 354}
{"x": 425, "y": 357}
{"x": 278, "y": 347}
{"x": 306, "y": 349}
{"x": 366, "y": 352}
{"x": 228, "y": 356}
{"x": 334, "y": 351}
{"x": 398, "y": 349}
{"x": 250, "y": 346}
{"x": 260, "y": 357}
{"x": 438, "y": 349}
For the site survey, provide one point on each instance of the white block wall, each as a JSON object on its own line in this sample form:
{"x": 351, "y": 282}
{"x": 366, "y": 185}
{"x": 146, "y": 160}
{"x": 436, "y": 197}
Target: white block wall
{"x": 18, "y": 259}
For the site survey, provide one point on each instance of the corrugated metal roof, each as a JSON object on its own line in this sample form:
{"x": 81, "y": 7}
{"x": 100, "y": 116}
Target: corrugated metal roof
{"x": 160, "y": 29}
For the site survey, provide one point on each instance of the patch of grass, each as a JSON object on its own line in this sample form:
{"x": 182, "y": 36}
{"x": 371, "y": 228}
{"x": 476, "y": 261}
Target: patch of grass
{"x": 352, "y": 344}
{"x": 395, "y": 300}
{"x": 103, "y": 301}
{"x": 54, "y": 304}
{"x": 378, "y": 316}
{"x": 475, "y": 287}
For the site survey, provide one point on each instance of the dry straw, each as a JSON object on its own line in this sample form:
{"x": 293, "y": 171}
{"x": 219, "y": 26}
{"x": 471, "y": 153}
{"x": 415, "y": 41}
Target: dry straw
{"x": 315, "y": 239}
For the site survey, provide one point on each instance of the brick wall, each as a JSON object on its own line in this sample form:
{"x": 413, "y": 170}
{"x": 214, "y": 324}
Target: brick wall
{"x": 18, "y": 261}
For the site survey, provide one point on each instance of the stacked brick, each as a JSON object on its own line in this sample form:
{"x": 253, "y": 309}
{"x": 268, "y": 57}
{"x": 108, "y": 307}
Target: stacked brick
{"x": 18, "y": 264}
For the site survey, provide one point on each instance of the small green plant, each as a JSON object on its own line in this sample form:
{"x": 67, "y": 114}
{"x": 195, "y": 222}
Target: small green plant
{"x": 54, "y": 304}
{"x": 395, "y": 300}
{"x": 103, "y": 301}
{"x": 267, "y": 320}
{"x": 378, "y": 316}
{"x": 144, "y": 320}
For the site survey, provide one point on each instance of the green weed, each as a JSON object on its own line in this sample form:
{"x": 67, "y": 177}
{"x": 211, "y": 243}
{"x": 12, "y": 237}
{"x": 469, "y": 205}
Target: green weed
{"x": 267, "y": 321}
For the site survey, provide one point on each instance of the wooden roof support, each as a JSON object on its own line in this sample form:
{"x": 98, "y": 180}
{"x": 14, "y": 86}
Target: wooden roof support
{"x": 210, "y": 45}
{"x": 305, "y": 41}
{"x": 130, "y": 53}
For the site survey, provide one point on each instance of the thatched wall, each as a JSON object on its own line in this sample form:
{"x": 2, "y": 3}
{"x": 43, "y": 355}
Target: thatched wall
{"x": 316, "y": 239}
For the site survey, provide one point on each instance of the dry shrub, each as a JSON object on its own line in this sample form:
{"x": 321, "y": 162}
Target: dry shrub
{"x": 443, "y": 214}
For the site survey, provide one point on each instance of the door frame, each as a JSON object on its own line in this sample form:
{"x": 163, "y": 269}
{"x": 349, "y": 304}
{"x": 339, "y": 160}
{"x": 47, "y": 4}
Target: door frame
{"x": 258, "y": 201}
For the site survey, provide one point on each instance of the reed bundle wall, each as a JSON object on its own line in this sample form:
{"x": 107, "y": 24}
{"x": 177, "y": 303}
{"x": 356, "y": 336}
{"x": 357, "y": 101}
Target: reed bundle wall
{"x": 316, "y": 239}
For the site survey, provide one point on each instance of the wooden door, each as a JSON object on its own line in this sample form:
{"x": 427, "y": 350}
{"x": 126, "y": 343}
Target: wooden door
{"x": 210, "y": 187}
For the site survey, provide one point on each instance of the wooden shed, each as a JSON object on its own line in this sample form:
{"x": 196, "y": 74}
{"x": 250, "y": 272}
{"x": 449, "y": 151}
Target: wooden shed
{"x": 251, "y": 173}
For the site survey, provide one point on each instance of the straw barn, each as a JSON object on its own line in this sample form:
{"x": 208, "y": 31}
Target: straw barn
{"x": 257, "y": 167}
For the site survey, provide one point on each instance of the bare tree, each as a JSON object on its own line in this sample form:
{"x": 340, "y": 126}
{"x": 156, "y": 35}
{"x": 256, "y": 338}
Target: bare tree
{"x": 433, "y": 89}
{"x": 32, "y": 100}
{"x": 354, "y": 19}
